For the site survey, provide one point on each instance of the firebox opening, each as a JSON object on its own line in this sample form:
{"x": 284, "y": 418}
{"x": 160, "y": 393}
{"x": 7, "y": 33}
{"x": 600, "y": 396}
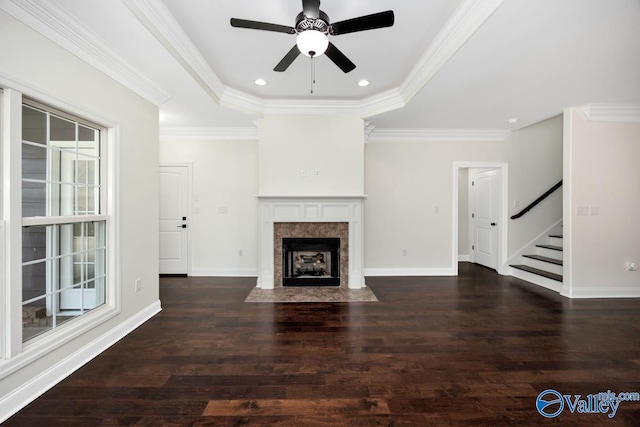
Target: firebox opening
{"x": 310, "y": 261}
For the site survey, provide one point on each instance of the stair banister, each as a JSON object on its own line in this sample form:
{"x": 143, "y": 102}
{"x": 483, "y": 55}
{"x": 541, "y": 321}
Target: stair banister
{"x": 537, "y": 201}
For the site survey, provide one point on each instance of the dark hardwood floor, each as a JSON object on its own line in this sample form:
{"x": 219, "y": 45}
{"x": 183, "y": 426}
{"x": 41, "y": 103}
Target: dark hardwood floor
{"x": 473, "y": 350}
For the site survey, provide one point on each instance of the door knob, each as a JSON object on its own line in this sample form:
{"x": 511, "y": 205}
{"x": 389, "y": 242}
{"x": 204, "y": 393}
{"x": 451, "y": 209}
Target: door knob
{"x": 182, "y": 226}
{"x": 493, "y": 224}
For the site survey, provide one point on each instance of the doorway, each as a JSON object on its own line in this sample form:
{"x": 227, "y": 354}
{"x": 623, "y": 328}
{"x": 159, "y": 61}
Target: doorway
{"x": 174, "y": 219}
{"x": 483, "y": 226}
{"x": 485, "y": 203}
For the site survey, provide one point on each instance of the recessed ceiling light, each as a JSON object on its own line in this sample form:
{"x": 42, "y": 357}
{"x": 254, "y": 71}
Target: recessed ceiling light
{"x": 513, "y": 121}
{"x": 260, "y": 82}
{"x": 363, "y": 83}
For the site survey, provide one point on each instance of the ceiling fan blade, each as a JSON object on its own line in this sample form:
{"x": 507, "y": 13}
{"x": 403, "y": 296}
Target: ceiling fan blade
{"x": 288, "y": 59}
{"x": 256, "y": 25}
{"x": 338, "y": 58}
{"x": 311, "y": 8}
{"x": 363, "y": 23}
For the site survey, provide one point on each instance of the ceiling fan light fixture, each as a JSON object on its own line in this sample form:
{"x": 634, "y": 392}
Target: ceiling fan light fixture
{"x": 312, "y": 42}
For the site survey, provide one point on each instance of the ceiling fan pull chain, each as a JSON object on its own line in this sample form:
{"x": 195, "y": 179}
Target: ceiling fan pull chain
{"x": 313, "y": 72}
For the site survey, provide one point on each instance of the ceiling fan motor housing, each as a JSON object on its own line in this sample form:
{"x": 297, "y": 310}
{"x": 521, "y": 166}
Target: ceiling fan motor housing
{"x": 304, "y": 23}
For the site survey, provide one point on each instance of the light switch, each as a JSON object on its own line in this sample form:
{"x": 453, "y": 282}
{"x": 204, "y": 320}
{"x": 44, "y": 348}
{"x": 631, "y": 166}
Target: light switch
{"x": 582, "y": 210}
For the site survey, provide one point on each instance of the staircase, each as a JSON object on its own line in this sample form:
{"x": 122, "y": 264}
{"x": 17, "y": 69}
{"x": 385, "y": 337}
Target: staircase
{"x": 542, "y": 263}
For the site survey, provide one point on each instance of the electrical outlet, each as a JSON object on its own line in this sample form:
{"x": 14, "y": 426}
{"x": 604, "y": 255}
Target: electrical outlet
{"x": 240, "y": 252}
{"x": 404, "y": 252}
{"x": 138, "y": 285}
{"x": 632, "y": 266}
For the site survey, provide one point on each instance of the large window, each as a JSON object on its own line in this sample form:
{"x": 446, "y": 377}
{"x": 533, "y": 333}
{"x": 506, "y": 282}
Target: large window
{"x": 63, "y": 221}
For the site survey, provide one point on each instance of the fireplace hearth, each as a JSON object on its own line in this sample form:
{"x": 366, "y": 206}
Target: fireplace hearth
{"x": 309, "y": 261}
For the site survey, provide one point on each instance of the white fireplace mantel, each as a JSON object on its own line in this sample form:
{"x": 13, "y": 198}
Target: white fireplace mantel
{"x": 293, "y": 208}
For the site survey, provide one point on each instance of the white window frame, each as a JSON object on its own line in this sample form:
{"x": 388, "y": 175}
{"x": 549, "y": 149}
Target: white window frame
{"x": 14, "y": 354}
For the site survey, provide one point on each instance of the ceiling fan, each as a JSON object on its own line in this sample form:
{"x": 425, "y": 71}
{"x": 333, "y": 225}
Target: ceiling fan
{"x": 312, "y": 28}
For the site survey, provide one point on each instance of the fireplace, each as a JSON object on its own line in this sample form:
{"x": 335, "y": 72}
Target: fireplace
{"x": 309, "y": 261}
{"x": 317, "y": 217}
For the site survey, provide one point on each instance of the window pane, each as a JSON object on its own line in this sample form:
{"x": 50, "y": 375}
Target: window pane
{"x": 34, "y": 196}
{"x": 34, "y": 162}
{"x": 63, "y": 165}
{"x": 87, "y": 134}
{"x": 34, "y": 240}
{"x": 92, "y": 171}
{"x": 34, "y": 125}
{"x": 34, "y": 281}
{"x": 62, "y": 130}
{"x": 35, "y": 320}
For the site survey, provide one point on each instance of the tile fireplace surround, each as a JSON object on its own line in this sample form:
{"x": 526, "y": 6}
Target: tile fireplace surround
{"x": 312, "y": 216}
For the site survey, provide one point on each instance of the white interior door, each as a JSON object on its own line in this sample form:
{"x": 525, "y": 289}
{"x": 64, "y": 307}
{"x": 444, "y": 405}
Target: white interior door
{"x": 485, "y": 207}
{"x": 174, "y": 235}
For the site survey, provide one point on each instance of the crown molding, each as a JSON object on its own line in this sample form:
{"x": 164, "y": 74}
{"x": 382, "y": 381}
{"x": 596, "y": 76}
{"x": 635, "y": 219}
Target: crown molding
{"x": 242, "y": 101}
{"x": 465, "y": 21}
{"x": 321, "y": 106}
{"x": 53, "y": 22}
{"x": 368, "y": 128}
{"x": 437, "y": 135}
{"x": 155, "y": 16}
{"x": 386, "y": 101}
{"x": 209, "y": 134}
{"x": 612, "y": 112}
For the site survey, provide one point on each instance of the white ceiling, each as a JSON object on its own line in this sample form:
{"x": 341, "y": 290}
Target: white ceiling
{"x": 445, "y": 64}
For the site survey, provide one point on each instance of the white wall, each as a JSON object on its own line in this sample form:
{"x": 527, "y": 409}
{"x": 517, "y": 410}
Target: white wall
{"x": 311, "y": 155}
{"x": 535, "y": 165}
{"x": 225, "y": 175}
{"x": 410, "y": 203}
{"x": 601, "y": 176}
{"x": 43, "y": 68}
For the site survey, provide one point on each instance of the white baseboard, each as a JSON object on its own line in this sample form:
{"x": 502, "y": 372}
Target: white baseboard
{"x": 372, "y": 272}
{"x": 464, "y": 258}
{"x": 34, "y": 388}
{"x": 224, "y": 272}
{"x": 601, "y": 292}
